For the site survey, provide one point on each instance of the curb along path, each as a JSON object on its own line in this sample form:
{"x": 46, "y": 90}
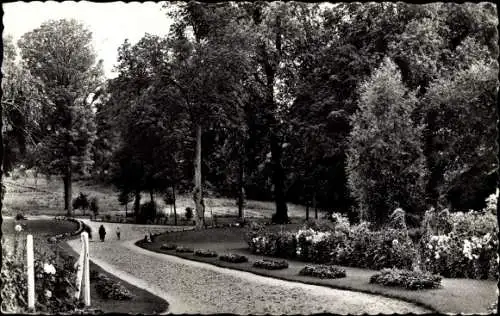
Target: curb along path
{"x": 193, "y": 287}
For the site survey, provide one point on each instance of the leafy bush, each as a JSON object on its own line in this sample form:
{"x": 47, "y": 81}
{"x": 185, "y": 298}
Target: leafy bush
{"x": 189, "y": 213}
{"x": 205, "y": 253}
{"x": 182, "y": 249}
{"x": 168, "y": 247}
{"x": 411, "y": 280}
{"x": 323, "y": 271}
{"x": 20, "y": 217}
{"x": 81, "y": 202}
{"x": 109, "y": 289}
{"x": 271, "y": 264}
{"x": 234, "y": 258}
{"x": 147, "y": 212}
{"x": 107, "y": 218}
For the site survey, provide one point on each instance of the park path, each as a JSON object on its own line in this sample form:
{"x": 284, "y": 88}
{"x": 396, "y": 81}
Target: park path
{"x": 194, "y": 287}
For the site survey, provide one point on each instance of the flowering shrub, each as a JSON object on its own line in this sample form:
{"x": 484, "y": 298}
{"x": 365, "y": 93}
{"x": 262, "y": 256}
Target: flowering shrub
{"x": 109, "y": 289}
{"x": 323, "y": 271}
{"x": 411, "y": 280}
{"x": 468, "y": 250}
{"x": 271, "y": 264}
{"x": 205, "y": 253}
{"x": 234, "y": 258}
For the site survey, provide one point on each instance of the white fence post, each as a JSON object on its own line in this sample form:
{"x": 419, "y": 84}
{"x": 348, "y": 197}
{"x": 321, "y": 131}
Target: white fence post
{"x": 31, "y": 273}
{"x": 86, "y": 272}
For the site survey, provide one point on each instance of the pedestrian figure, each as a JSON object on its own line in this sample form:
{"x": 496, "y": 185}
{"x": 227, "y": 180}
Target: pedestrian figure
{"x": 118, "y": 232}
{"x": 102, "y": 232}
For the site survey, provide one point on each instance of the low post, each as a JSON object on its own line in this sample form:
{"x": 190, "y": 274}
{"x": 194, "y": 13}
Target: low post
{"x": 86, "y": 272}
{"x": 31, "y": 273}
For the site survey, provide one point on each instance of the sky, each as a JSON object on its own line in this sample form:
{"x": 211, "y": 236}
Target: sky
{"x": 111, "y": 23}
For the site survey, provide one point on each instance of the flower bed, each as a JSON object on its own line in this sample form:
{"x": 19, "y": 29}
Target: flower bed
{"x": 411, "y": 280}
{"x": 205, "y": 253}
{"x": 466, "y": 246}
{"x": 234, "y": 258}
{"x": 271, "y": 264}
{"x": 181, "y": 249}
{"x": 323, "y": 271}
{"x": 168, "y": 247}
{"x": 108, "y": 289}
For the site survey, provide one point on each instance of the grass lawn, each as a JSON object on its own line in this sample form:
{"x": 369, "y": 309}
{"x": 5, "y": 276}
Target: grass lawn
{"x": 45, "y": 197}
{"x": 143, "y": 302}
{"x": 455, "y": 295}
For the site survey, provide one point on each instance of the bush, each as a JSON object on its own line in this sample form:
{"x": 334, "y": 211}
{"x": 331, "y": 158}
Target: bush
{"x": 168, "y": 247}
{"x": 147, "y": 212}
{"x": 411, "y": 280}
{"x": 20, "y": 217}
{"x": 323, "y": 271}
{"x": 271, "y": 264}
{"x": 189, "y": 213}
{"x": 205, "y": 253}
{"x": 107, "y": 218}
{"x": 182, "y": 249}
{"x": 81, "y": 202}
{"x": 234, "y": 258}
{"x": 109, "y": 289}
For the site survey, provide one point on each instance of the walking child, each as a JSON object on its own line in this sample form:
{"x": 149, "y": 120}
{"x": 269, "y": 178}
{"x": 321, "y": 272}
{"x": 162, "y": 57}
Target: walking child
{"x": 118, "y": 232}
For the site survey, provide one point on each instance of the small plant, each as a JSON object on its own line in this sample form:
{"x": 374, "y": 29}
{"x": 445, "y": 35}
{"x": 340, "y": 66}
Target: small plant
{"x": 189, "y": 213}
{"x": 182, "y": 249}
{"x": 168, "y": 247}
{"x": 81, "y": 202}
{"x": 323, "y": 271}
{"x": 205, "y": 253}
{"x": 233, "y": 258}
{"x": 271, "y": 264}
{"x": 411, "y": 280}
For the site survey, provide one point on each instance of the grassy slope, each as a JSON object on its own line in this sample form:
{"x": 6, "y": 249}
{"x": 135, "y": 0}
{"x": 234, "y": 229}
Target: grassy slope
{"x": 46, "y": 197}
{"x": 456, "y": 295}
{"x": 143, "y": 301}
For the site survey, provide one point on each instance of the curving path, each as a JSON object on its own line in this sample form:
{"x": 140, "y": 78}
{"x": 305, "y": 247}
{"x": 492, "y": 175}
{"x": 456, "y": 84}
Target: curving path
{"x": 194, "y": 287}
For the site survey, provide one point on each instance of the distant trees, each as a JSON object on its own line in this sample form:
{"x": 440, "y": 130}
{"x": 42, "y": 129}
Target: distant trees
{"x": 60, "y": 55}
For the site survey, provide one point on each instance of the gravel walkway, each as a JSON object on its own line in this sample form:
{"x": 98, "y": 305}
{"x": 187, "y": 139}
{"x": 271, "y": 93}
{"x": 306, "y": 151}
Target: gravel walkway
{"x": 193, "y": 287}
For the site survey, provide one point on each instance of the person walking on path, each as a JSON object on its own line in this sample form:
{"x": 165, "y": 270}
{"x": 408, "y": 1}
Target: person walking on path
{"x": 118, "y": 232}
{"x": 102, "y": 232}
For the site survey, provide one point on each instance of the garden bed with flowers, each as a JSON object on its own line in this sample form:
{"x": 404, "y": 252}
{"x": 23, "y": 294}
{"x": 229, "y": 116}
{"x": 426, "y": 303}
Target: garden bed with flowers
{"x": 55, "y": 274}
{"x": 373, "y": 249}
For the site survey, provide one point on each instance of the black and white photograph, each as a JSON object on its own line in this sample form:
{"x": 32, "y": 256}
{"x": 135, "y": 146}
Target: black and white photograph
{"x": 249, "y": 158}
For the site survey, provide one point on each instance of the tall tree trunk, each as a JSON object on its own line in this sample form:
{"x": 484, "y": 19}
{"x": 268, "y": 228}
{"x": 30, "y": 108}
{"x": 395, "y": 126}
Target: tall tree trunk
{"x": 241, "y": 188}
{"x": 307, "y": 210}
{"x": 137, "y": 204}
{"x": 68, "y": 206}
{"x": 175, "y": 210}
{"x": 281, "y": 215}
{"x": 314, "y": 205}
{"x": 197, "y": 191}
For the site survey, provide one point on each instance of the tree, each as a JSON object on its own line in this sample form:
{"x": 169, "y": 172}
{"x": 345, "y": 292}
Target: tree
{"x": 59, "y": 53}
{"x": 386, "y": 166}
{"x": 462, "y": 109}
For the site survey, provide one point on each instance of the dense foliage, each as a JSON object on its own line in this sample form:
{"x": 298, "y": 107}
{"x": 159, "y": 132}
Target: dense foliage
{"x": 271, "y": 264}
{"x": 233, "y": 258}
{"x": 205, "y": 253}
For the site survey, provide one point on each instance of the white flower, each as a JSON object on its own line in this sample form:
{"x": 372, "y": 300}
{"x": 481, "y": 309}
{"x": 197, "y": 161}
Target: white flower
{"x": 429, "y": 246}
{"x": 475, "y": 256}
{"x": 18, "y": 228}
{"x": 395, "y": 242}
{"x": 436, "y": 256}
{"x": 49, "y": 268}
{"x": 48, "y": 293}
